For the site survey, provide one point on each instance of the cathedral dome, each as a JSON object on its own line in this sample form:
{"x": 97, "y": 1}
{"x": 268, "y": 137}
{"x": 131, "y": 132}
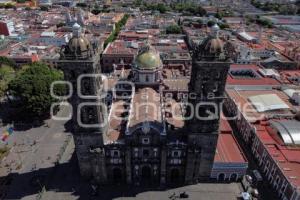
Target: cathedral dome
{"x": 213, "y": 46}
{"x": 78, "y": 46}
{"x": 148, "y": 59}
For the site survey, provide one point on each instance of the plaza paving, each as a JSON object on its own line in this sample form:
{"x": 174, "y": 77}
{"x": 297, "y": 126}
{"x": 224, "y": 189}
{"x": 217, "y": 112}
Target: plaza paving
{"x": 37, "y": 149}
{"x": 201, "y": 191}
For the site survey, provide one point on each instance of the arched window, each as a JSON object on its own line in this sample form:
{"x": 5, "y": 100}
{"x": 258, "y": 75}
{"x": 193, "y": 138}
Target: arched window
{"x": 221, "y": 177}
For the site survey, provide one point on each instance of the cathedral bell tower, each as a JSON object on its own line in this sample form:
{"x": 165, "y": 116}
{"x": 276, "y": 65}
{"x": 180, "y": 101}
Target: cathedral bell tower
{"x": 210, "y": 66}
{"x": 80, "y": 63}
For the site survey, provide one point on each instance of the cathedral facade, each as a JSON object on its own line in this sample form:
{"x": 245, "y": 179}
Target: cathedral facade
{"x": 146, "y": 123}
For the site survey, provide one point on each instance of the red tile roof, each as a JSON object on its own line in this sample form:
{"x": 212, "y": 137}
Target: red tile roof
{"x": 228, "y": 150}
{"x": 287, "y": 157}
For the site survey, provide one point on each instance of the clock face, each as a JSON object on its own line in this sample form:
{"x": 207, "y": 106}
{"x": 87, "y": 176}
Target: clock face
{"x": 146, "y": 127}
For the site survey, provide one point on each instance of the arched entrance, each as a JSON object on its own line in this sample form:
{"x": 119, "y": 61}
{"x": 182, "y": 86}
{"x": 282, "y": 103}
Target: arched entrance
{"x": 117, "y": 175}
{"x": 175, "y": 176}
{"x": 221, "y": 177}
{"x": 233, "y": 177}
{"x": 146, "y": 174}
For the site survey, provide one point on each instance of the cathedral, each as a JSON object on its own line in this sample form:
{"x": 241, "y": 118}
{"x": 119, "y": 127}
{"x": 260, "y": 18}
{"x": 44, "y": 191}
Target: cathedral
{"x": 147, "y": 123}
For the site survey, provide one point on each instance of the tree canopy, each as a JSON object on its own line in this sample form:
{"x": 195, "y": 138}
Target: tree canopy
{"x": 223, "y": 25}
{"x": 173, "y": 29}
{"x": 115, "y": 32}
{"x": 7, "y": 61}
{"x": 32, "y": 87}
{"x": 186, "y": 8}
{"x": 162, "y": 8}
{"x": 44, "y": 8}
{"x": 210, "y": 23}
{"x": 7, "y": 73}
{"x": 189, "y": 8}
{"x": 83, "y": 5}
{"x": 288, "y": 8}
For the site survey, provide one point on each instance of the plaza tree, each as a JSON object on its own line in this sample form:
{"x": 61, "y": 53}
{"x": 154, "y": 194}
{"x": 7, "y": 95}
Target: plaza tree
{"x": 7, "y": 73}
{"x": 7, "y": 61}
{"x": 31, "y": 87}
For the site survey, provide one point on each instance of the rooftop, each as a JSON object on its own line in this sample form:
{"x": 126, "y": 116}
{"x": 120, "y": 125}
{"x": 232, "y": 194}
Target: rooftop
{"x": 250, "y": 112}
{"x": 228, "y": 149}
{"x": 252, "y": 76}
{"x": 286, "y": 156}
{"x": 146, "y": 106}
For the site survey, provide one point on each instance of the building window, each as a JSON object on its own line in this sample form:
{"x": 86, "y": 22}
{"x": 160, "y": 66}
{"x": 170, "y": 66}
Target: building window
{"x": 176, "y": 154}
{"x": 145, "y": 141}
{"x": 146, "y": 153}
{"x": 136, "y": 152}
{"x": 155, "y": 152}
{"x": 216, "y": 87}
{"x": 115, "y": 153}
{"x": 218, "y": 74}
{"x": 147, "y": 78}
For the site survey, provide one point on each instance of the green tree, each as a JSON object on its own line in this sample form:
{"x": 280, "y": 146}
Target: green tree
{"x": 173, "y": 29}
{"x": 9, "y": 5}
{"x": 32, "y": 87}
{"x": 200, "y": 21}
{"x": 223, "y": 25}
{"x": 161, "y": 8}
{"x": 96, "y": 11}
{"x": 264, "y": 22}
{"x": 7, "y": 61}
{"x": 219, "y": 15}
{"x": 201, "y": 11}
{"x": 83, "y": 5}
{"x": 210, "y": 23}
{"x": 137, "y": 3}
{"x": 60, "y": 24}
{"x": 44, "y": 8}
{"x": 7, "y": 73}
{"x": 115, "y": 32}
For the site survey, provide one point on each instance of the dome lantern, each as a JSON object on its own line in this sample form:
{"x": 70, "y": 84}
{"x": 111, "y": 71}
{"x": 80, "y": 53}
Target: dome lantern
{"x": 79, "y": 46}
{"x": 215, "y": 30}
{"x": 76, "y": 30}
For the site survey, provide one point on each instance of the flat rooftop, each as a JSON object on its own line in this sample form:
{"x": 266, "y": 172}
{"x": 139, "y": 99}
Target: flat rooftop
{"x": 286, "y": 156}
{"x": 249, "y": 111}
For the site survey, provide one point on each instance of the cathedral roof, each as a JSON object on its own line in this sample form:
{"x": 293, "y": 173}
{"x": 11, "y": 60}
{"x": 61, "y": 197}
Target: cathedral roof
{"x": 148, "y": 59}
{"x": 212, "y": 48}
{"x": 78, "y": 46}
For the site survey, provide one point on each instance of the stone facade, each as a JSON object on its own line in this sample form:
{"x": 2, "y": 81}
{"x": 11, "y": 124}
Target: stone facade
{"x": 143, "y": 142}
